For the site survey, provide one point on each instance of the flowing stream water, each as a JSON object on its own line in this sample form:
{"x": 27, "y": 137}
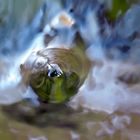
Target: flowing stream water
{"x": 107, "y": 105}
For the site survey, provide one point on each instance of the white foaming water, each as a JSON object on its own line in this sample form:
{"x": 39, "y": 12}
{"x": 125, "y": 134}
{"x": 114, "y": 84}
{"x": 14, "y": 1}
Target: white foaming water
{"x": 101, "y": 91}
{"x": 11, "y": 87}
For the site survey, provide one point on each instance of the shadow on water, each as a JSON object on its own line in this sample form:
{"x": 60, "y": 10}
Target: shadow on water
{"x": 58, "y": 120}
{"x": 43, "y": 116}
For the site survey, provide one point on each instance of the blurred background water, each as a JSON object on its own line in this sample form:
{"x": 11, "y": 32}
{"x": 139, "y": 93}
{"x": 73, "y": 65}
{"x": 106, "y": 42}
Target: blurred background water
{"x": 103, "y": 109}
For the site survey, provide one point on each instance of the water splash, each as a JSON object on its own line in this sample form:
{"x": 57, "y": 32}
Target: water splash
{"x": 102, "y": 90}
{"x": 29, "y": 39}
